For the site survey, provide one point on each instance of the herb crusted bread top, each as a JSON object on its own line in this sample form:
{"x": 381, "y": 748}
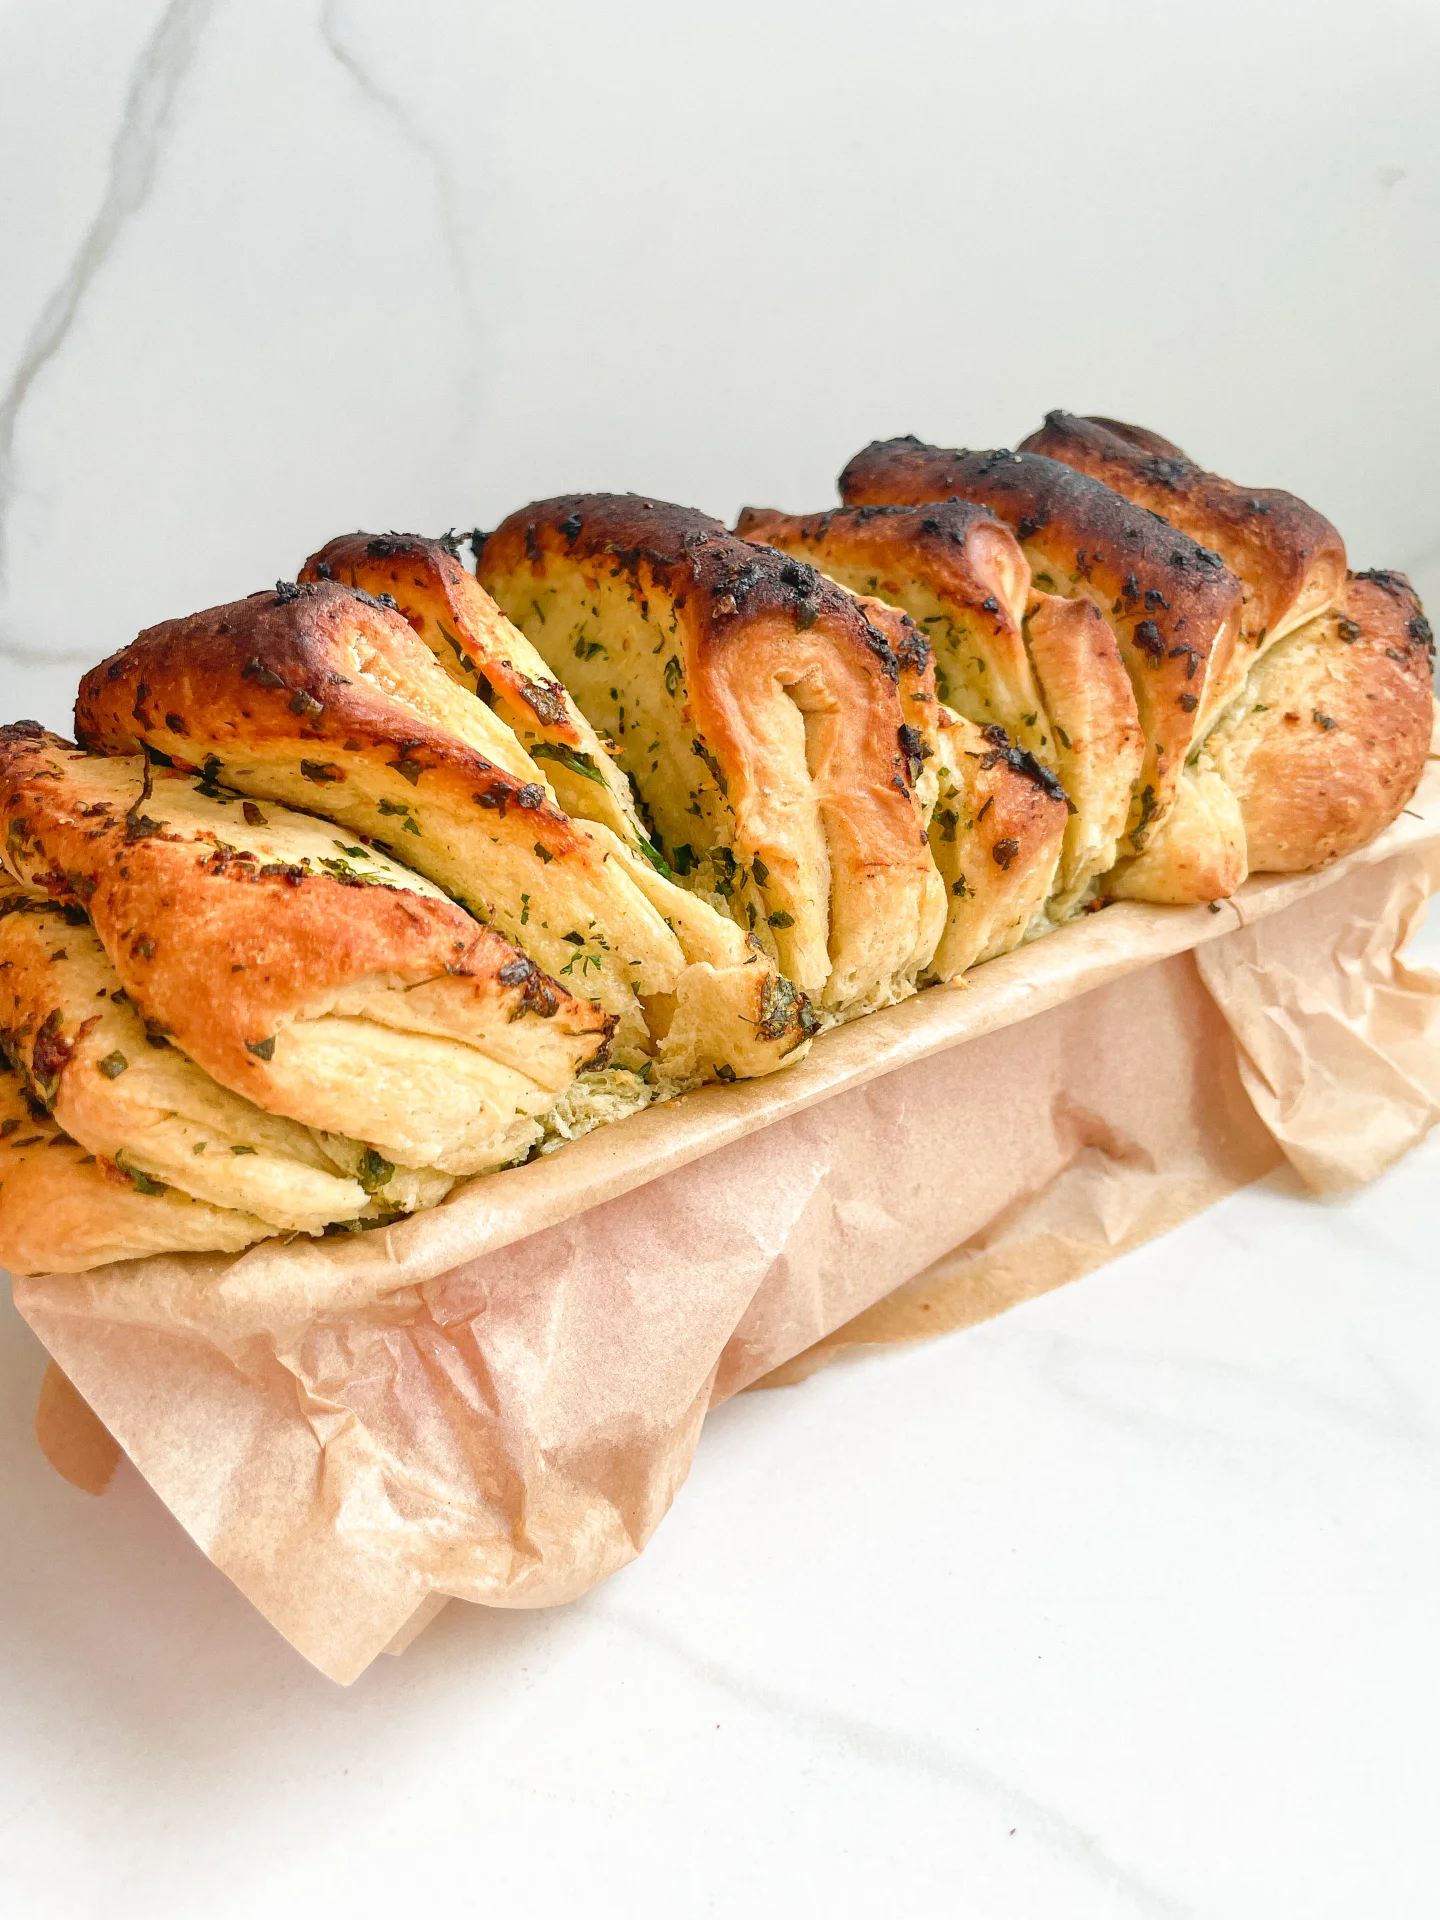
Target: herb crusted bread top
{"x": 775, "y": 727}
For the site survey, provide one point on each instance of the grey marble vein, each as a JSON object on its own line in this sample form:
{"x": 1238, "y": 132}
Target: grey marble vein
{"x": 874, "y": 1743}
{"x": 164, "y": 61}
{"x": 419, "y": 138}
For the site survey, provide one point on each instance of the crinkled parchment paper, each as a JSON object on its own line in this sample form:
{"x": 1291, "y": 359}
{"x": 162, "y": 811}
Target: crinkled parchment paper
{"x": 497, "y": 1401}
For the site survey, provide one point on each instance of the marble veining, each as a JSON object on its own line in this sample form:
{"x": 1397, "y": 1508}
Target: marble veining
{"x": 871, "y": 1744}
{"x": 159, "y": 74}
{"x": 336, "y": 32}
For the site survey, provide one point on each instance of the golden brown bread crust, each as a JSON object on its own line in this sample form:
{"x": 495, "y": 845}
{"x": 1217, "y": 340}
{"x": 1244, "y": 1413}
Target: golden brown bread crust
{"x": 233, "y": 953}
{"x": 1045, "y": 669}
{"x": 62, "y": 1210}
{"x": 1174, "y": 606}
{"x": 1331, "y": 736}
{"x": 758, "y": 642}
{"x": 319, "y": 697}
{"x": 1289, "y": 558}
{"x": 996, "y": 836}
{"x": 149, "y": 1114}
{"x": 470, "y": 637}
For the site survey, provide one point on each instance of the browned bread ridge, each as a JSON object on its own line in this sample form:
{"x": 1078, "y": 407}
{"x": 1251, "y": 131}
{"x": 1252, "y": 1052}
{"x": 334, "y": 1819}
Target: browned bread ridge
{"x": 1047, "y": 670}
{"x": 1288, "y": 557}
{"x": 462, "y": 626}
{"x": 1174, "y": 606}
{"x": 320, "y": 697}
{"x": 777, "y": 729}
{"x": 317, "y": 979}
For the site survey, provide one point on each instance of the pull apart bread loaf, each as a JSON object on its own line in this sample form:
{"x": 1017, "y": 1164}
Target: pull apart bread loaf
{"x": 320, "y": 695}
{"x": 1045, "y": 669}
{"x": 317, "y": 980}
{"x": 785, "y": 742}
{"x": 1326, "y": 737}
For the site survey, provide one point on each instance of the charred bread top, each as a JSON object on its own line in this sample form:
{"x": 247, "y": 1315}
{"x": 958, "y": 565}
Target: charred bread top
{"x": 1174, "y": 605}
{"x": 773, "y": 726}
{"x": 1289, "y": 558}
{"x": 1046, "y": 669}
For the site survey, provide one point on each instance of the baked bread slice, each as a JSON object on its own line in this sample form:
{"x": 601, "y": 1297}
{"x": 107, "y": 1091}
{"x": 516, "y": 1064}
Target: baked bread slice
{"x": 1173, "y": 605}
{"x": 320, "y": 697}
{"x": 1288, "y": 558}
{"x": 462, "y": 626}
{"x": 63, "y": 1210}
{"x": 996, "y": 836}
{"x": 1330, "y": 736}
{"x": 130, "y": 1097}
{"x": 318, "y": 979}
{"x": 1045, "y": 669}
{"x": 1326, "y": 739}
{"x": 776, "y": 730}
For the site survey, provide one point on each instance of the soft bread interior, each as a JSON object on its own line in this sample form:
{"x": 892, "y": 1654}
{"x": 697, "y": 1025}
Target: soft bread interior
{"x": 63, "y": 1210}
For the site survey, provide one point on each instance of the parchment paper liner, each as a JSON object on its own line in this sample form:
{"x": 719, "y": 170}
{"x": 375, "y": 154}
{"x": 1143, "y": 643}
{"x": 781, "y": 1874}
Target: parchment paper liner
{"x": 498, "y": 1400}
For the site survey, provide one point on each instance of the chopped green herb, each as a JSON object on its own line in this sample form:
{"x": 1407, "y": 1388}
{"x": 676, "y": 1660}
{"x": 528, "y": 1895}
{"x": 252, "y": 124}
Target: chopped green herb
{"x": 142, "y": 1182}
{"x": 576, "y": 762}
{"x": 374, "y": 1171}
{"x": 654, "y": 856}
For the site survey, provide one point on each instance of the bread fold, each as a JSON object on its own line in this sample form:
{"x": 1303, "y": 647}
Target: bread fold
{"x": 777, "y": 732}
{"x": 63, "y": 1210}
{"x": 1317, "y": 747}
{"x": 314, "y": 977}
{"x": 996, "y": 836}
{"x": 1174, "y": 607}
{"x": 1329, "y": 737}
{"x": 1045, "y": 669}
{"x": 321, "y": 697}
{"x": 129, "y": 1096}
{"x": 451, "y": 612}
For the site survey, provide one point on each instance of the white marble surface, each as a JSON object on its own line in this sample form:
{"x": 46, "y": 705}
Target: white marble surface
{"x": 1121, "y": 1605}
